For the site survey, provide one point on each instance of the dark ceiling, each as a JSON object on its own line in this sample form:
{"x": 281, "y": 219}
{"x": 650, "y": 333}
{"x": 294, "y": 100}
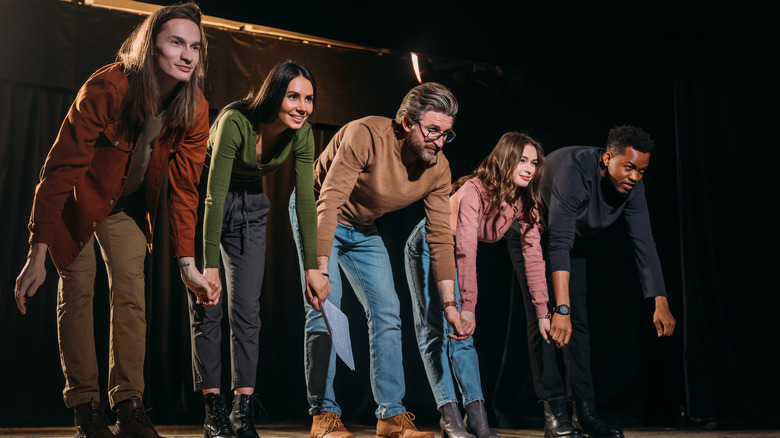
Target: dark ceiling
{"x": 503, "y": 33}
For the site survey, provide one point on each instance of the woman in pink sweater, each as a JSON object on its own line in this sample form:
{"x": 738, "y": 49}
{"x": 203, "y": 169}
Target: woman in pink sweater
{"x": 484, "y": 204}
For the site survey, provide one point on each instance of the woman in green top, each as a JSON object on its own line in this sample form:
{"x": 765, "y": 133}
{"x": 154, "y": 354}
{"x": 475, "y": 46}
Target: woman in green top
{"x": 250, "y": 138}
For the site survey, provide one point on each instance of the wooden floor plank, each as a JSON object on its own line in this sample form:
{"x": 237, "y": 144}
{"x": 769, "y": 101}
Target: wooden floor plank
{"x": 362, "y": 431}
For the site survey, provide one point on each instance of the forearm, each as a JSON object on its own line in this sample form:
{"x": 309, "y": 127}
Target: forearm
{"x": 661, "y": 303}
{"x": 322, "y": 263}
{"x": 560, "y": 280}
{"x": 446, "y": 290}
{"x": 186, "y": 264}
{"x": 37, "y": 252}
{"x": 307, "y": 220}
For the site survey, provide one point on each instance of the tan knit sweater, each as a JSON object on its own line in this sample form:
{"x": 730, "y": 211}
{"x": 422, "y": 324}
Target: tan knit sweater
{"x": 366, "y": 171}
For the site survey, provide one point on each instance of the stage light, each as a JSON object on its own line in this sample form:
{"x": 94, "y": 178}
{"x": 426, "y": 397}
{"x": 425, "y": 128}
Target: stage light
{"x": 416, "y": 66}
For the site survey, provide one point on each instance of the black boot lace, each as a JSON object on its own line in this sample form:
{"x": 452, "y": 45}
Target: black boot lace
{"x": 221, "y": 420}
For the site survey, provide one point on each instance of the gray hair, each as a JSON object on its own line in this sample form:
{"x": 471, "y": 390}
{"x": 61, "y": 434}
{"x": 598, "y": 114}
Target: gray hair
{"x": 429, "y": 96}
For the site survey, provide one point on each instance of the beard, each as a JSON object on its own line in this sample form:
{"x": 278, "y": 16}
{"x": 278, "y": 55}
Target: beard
{"x": 418, "y": 146}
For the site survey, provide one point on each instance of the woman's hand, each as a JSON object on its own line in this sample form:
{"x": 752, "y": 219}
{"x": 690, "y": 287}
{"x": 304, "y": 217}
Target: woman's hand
{"x": 544, "y": 329}
{"x": 453, "y": 318}
{"x": 468, "y": 322}
{"x": 317, "y": 288}
{"x": 212, "y": 277}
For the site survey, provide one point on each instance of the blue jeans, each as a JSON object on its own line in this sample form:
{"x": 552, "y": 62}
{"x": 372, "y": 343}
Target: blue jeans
{"x": 362, "y": 256}
{"x": 438, "y": 352}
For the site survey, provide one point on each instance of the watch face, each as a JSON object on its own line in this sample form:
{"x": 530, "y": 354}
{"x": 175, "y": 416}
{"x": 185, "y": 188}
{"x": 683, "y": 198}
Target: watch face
{"x": 563, "y": 309}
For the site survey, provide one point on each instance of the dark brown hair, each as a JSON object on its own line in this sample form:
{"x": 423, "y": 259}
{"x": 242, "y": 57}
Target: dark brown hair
{"x": 496, "y": 174}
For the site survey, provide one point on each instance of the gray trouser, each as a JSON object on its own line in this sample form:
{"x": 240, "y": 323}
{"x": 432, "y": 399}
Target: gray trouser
{"x": 242, "y": 247}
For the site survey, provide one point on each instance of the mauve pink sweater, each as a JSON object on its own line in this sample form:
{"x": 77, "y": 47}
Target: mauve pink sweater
{"x": 472, "y": 224}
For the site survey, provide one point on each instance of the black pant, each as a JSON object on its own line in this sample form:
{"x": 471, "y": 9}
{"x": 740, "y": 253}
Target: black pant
{"x": 242, "y": 248}
{"x": 548, "y": 379}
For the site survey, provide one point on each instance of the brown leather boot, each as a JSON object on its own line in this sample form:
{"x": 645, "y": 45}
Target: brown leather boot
{"x": 91, "y": 421}
{"x": 131, "y": 420}
{"x": 328, "y": 425}
{"x": 400, "y": 426}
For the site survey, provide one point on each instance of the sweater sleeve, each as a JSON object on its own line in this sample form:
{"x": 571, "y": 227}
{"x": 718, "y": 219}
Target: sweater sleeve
{"x": 466, "y": 241}
{"x": 438, "y": 229}
{"x": 349, "y": 161}
{"x": 648, "y": 263}
{"x": 534, "y": 267}
{"x": 569, "y": 192}
{"x": 303, "y": 151}
{"x": 183, "y": 177}
{"x": 71, "y": 155}
{"x": 226, "y": 140}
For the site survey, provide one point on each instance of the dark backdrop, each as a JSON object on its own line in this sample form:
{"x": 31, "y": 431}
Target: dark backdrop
{"x": 705, "y": 92}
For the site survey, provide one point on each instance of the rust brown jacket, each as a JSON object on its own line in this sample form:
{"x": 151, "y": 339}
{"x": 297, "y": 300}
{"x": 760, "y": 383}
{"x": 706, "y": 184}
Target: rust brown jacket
{"x": 86, "y": 169}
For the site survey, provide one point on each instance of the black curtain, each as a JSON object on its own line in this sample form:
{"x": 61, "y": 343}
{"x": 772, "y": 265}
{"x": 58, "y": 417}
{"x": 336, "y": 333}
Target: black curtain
{"x": 31, "y": 117}
{"x": 726, "y": 107}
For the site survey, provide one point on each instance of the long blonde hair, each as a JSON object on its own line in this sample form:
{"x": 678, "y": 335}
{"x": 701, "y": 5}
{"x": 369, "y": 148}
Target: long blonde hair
{"x": 495, "y": 173}
{"x": 138, "y": 59}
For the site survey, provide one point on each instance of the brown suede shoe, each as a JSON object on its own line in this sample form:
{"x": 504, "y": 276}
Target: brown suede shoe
{"x": 400, "y": 426}
{"x": 328, "y": 425}
{"x": 131, "y": 420}
{"x": 91, "y": 421}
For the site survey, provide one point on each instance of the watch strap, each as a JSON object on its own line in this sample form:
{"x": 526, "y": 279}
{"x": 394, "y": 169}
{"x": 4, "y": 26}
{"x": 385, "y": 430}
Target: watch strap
{"x": 446, "y": 304}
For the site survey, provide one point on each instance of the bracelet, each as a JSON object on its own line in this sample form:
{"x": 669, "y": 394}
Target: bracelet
{"x": 446, "y": 304}
{"x": 547, "y": 315}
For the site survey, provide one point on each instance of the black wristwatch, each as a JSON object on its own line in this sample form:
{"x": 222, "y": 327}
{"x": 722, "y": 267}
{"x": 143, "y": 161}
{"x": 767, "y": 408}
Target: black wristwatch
{"x": 562, "y": 309}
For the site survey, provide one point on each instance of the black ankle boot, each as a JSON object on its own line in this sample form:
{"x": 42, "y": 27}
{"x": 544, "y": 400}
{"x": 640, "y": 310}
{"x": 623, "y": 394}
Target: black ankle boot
{"x": 451, "y": 424}
{"x": 216, "y": 424}
{"x": 476, "y": 420}
{"x": 557, "y": 422}
{"x": 242, "y": 417}
{"x": 586, "y": 418}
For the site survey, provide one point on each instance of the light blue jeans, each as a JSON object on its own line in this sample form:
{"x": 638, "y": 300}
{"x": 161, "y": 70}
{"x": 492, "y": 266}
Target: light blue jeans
{"x": 438, "y": 352}
{"x": 362, "y": 256}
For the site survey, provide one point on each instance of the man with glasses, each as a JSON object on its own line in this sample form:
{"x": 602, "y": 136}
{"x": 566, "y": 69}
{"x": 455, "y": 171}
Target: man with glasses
{"x": 373, "y": 166}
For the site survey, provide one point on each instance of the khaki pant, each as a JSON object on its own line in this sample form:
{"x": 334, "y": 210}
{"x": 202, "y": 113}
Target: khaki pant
{"x": 123, "y": 247}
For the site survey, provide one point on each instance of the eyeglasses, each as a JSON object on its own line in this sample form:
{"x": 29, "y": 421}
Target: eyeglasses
{"x": 434, "y": 135}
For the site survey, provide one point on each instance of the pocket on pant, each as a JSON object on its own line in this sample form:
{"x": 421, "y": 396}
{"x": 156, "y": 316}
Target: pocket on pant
{"x": 258, "y": 206}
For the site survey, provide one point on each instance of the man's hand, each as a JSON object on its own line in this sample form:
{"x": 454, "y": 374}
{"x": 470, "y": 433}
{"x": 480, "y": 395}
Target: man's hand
{"x": 560, "y": 329}
{"x": 452, "y": 316}
{"x": 32, "y": 276}
{"x": 205, "y": 289}
{"x": 662, "y": 317}
{"x": 317, "y": 288}
{"x": 544, "y": 329}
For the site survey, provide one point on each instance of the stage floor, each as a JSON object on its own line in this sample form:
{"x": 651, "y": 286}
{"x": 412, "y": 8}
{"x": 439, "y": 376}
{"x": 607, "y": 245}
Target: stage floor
{"x": 299, "y": 431}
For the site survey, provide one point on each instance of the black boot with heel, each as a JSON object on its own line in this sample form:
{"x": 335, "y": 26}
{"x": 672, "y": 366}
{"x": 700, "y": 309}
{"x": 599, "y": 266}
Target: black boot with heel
{"x": 216, "y": 424}
{"x": 451, "y": 424}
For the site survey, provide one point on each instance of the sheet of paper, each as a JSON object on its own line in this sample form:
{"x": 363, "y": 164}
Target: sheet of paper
{"x": 338, "y": 326}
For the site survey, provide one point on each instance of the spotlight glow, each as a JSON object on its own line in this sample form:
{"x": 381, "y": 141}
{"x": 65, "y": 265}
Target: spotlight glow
{"x": 416, "y": 65}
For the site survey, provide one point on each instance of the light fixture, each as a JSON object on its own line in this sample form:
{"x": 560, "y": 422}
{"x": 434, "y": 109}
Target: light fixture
{"x": 416, "y": 66}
